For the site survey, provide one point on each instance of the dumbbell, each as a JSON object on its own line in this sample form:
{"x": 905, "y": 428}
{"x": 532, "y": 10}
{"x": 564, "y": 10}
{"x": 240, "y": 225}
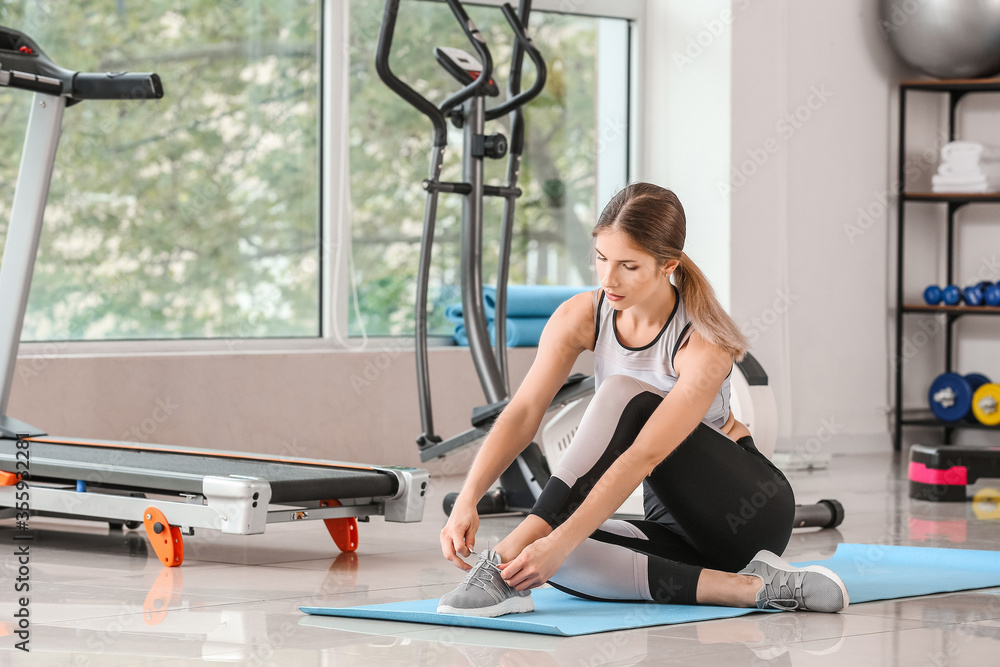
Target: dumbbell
{"x": 991, "y": 293}
{"x": 950, "y": 295}
{"x": 984, "y": 293}
{"x": 973, "y": 295}
{"x": 951, "y": 396}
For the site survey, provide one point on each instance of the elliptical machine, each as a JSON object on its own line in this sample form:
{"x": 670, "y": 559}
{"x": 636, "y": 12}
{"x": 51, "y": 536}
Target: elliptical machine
{"x": 466, "y": 109}
{"x": 520, "y": 485}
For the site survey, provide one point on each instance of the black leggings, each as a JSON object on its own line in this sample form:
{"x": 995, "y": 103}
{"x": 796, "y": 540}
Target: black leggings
{"x": 711, "y": 502}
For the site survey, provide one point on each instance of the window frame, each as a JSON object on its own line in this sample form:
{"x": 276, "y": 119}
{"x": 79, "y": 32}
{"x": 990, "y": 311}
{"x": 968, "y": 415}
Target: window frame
{"x": 335, "y": 297}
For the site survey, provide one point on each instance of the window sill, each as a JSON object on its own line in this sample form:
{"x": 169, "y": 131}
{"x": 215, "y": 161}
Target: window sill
{"x": 224, "y": 346}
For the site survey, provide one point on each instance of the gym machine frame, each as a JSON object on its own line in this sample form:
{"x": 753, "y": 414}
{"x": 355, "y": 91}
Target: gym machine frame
{"x": 522, "y": 482}
{"x": 466, "y": 108}
{"x": 106, "y": 480}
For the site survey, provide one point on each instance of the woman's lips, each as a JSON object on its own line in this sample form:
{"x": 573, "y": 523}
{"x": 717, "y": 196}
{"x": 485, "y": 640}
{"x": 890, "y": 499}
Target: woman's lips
{"x": 613, "y": 297}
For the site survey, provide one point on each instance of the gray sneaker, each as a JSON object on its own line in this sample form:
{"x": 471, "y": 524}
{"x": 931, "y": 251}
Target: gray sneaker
{"x": 483, "y": 592}
{"x": 790, "y": 588}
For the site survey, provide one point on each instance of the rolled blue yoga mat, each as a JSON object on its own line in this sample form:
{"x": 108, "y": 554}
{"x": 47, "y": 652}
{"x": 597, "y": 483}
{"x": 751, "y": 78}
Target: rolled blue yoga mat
{"x": 521, "y": 332}
{"x": 531, "y": 300}
{"x": 870, "y": 572}
{"x": 528, "y": 309}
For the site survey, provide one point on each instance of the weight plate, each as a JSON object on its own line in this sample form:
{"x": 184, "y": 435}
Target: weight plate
{"x": 975, "y": 380}
{"x": 949, "y": 397}
{"x": 986, "y": 503}
{"x": 986, "y": 404}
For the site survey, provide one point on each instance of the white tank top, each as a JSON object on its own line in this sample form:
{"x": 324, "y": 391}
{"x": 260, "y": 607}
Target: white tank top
{"x": 652, "y": 363}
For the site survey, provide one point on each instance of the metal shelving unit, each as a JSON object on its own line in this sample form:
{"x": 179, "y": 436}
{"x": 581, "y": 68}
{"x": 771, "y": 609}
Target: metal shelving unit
{"x": 955, "y": 89}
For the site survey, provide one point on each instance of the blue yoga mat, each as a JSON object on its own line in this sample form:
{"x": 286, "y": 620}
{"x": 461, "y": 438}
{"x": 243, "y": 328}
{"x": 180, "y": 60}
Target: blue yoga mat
{"x": 521, "y": 331}
{"x": 871, "y": 572}
{"x": 522, "y": 301}
{"x": 528, "y": 309}
{"x": 531, "y": 300}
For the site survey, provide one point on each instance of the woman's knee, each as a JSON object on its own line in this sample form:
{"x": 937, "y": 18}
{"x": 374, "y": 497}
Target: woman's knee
{"x": 624, "y": 386}
{"x": 621, "y": 395}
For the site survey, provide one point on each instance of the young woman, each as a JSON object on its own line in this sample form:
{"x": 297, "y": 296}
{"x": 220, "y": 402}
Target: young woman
{"x": 716, "y": 510}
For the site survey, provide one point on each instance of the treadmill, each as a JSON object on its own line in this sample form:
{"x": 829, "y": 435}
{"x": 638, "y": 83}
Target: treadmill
{"x": 168, "y": 490}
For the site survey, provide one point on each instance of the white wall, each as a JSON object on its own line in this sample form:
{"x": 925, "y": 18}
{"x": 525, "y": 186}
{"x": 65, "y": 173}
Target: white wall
{"x": 684, "y": 130}
{"x": 812, "y": 88}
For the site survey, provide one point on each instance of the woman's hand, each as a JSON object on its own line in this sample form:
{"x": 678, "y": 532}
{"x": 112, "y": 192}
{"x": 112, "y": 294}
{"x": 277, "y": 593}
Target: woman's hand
{"x": 458, "y": 537}
{"x": 535, "y": 564}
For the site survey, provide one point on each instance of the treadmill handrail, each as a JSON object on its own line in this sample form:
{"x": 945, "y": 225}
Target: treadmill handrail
{"x": 24, "y": 65}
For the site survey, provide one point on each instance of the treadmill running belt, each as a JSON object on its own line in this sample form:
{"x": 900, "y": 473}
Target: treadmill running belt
{"x": 151, "y": 470}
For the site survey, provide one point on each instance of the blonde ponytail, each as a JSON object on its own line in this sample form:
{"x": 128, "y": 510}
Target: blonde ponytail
{"x": 706, "y": 313}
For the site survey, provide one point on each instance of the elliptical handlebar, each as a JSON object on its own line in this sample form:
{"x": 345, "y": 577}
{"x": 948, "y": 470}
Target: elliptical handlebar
{"x": 437, "y": 115}
{"x": 385, "y": 34}
{"x": 418, "y": 101}
{"x": 522, "y": 44}
{"x": 24, "y": 65}
{"x": 478, "y": 43}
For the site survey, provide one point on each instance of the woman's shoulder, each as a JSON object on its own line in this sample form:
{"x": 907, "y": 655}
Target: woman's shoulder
{"x": 574, "y": 320}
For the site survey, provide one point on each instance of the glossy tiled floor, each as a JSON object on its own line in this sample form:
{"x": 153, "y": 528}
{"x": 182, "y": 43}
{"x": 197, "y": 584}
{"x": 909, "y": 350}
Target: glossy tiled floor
{"x": 101, "y": 598}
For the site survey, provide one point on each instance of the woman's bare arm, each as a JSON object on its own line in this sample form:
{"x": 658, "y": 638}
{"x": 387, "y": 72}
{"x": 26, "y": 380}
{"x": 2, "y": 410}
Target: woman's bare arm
{"x": 568, "y": 332}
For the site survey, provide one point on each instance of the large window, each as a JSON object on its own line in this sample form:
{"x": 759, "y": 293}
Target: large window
{"x": 190, "y": 217}
{"x": 569, "y": 134}
{"x": 199, "y": 215}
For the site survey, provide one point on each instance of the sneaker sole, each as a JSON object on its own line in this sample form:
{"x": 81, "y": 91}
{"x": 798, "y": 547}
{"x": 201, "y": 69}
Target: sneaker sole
{"x": 779, "y": 563}
{"x": 516, "y": 605}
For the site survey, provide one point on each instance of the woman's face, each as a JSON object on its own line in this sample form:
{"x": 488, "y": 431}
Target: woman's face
{"x": 627, "y": 274}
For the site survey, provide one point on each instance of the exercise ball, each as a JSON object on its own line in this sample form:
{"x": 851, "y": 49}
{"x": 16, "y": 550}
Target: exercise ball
{"x": 944, "y": 38}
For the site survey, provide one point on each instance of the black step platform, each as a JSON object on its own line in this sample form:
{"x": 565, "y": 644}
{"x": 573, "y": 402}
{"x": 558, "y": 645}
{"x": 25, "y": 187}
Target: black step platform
{"x": 941, "y": 473}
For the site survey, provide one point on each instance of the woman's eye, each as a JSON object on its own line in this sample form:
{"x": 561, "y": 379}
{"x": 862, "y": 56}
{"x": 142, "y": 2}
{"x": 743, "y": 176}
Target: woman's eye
{"x": 601, "y": 259}
{"x": 630, "y": 268}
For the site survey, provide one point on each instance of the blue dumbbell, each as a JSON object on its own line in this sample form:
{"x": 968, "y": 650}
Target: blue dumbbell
{"x": 932, "y": 295}
{"x": 992, "y": 295}
{"x": 951, "y": 295}
{"x": 973, "y": 295}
